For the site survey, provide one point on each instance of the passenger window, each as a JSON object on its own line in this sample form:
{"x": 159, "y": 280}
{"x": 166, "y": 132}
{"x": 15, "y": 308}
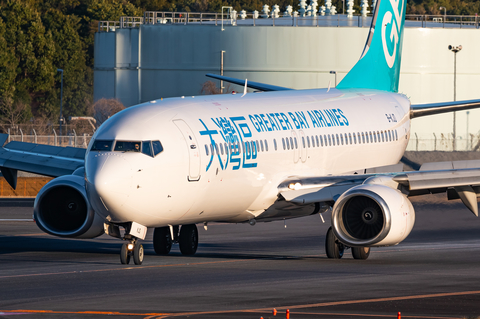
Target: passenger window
{"x": 226, "y": 148}
{"x": 296, "y": 144}
{"x": 157, "y": 147}
{"x": 216, "y": 148}
{"x": 100, "y": 145}
{"x": 261, "y": 145}
{"x": 147, "y": 148}
{"x": 283, "y": 142}
{"x": 206, "y": 149}
{"x": 275, "y": 144}
{"x": 341, "y": 138}
{"x": 321, "y": 140}
{"x": 221, "y": 148}
{"x": 266, "y": 146}
{"x": 303, "y": 141}
{"x": 308, "y": 141}
{"x": 338, "y": 140}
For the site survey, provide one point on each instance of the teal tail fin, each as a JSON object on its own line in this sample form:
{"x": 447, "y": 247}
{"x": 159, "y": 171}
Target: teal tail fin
{"x": 379, "y": 65}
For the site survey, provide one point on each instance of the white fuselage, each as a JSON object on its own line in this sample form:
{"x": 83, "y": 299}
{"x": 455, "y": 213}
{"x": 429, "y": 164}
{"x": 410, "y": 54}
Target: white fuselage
{"x": 188, "y": 183}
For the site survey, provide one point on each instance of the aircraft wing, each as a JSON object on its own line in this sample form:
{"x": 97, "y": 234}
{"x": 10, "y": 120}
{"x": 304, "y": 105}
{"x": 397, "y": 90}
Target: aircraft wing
{"x": 460, "y": 179}
{"x": 40, "y": 159}
{"x": 419, "y": 110}
{"x": 253, "y": 85}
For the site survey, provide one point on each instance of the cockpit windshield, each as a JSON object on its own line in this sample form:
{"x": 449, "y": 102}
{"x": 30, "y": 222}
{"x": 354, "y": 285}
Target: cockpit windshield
{"x": 150, "y": 148}
{"x": 121, "y": 146}
{"x": 102, "y": 145}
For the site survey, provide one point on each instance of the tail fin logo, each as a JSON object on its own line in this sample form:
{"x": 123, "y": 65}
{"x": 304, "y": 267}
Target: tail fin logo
{"x": 394, "y": 33}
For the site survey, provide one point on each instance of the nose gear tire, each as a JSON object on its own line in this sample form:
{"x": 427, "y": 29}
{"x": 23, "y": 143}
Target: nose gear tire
{"x": 124, "y": 255}
{"x": 138, "y": 254}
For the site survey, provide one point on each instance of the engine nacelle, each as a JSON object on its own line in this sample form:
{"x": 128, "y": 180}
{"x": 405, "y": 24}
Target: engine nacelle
{"x": 372, "y": 215}
{"x": 62, "y": 209}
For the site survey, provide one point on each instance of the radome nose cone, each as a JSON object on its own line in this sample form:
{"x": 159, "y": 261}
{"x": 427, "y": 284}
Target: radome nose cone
{"x": 111, "y": 180}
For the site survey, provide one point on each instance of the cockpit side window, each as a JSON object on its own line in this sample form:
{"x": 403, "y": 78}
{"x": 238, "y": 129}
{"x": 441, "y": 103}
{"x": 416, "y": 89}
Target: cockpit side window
{"x": 122, "y": 146}
{"x": 102, "y": 145}
{"x": 157, "y": 147}
{"x": 147, "y": 148}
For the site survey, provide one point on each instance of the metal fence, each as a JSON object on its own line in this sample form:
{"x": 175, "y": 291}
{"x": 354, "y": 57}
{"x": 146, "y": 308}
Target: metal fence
{"x": 232, "y": 18}
{"x": 443, "y": 142}
{"x": 73, "y": 140}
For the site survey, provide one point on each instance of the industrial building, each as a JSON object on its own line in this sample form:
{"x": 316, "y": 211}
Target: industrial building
{"x": 161, "y": 55}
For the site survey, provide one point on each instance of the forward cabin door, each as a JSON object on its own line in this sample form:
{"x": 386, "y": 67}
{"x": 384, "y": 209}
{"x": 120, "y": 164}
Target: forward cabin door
{"x": 193, "y": 150}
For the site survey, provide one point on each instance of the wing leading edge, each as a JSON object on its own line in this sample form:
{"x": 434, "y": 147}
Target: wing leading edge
{"x": 459, "y": 179}
{"x": 53, "y": 161}
{"x": 419, "y": 110}
{"x": 253, "y": 85}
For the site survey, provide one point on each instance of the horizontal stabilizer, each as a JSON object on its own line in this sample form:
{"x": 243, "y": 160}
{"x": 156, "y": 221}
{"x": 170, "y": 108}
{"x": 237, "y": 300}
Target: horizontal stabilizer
{"x": 419, "y": 110}
{"x": 253, "y": 85}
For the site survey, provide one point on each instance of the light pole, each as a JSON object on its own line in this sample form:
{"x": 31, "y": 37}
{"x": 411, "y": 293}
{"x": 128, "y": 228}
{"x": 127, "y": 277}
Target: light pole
{"x": 444, "y": 15}
{"x": 61, "y": 99}
{"x": 455, "y": 50}
{"x": 334, "y": 72}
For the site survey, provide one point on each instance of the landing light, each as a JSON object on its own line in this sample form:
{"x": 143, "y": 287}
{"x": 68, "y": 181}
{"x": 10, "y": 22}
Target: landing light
{"x": 295, "y": 186}
{"x": 130, "y": 246}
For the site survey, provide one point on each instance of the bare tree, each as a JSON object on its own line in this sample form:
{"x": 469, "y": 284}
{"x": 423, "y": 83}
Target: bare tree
{"x": 12, "y": 112}
{"x": 209, "y": 87}
{"x": 105, "y": 108}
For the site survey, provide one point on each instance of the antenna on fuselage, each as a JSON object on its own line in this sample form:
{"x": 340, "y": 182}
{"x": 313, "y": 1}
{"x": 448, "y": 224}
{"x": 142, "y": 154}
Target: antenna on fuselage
{"x": 245, "y": 88}
{"x": 329, "y": 83}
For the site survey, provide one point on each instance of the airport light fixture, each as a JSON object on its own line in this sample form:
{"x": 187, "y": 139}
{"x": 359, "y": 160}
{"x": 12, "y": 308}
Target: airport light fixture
{"x": 455, "y": 50}
{"x": 61, "y": 99}
{"x": 334, "y": 72}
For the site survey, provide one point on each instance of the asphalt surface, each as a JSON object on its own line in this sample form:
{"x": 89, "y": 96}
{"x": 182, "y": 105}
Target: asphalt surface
{"x": 242, "y": 271}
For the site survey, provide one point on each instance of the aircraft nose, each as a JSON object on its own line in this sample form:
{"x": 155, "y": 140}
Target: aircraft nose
{"x": 109, "y": 181}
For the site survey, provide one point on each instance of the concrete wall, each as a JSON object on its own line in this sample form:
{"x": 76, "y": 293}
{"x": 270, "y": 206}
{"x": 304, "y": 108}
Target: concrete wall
{"x": 154, "y": 61}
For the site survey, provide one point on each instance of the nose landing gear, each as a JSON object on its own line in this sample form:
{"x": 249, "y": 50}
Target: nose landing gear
{"x": 132, "y": 249}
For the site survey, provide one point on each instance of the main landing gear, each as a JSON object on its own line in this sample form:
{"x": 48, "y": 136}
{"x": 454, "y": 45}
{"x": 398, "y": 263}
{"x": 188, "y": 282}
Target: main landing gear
{"x": 335, "y": 249}
{"x": 187, "y": 238}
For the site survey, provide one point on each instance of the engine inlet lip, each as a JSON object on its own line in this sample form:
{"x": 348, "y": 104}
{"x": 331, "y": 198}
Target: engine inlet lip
{"x": 338, "y": 224}
{"x": 39, "y": 216}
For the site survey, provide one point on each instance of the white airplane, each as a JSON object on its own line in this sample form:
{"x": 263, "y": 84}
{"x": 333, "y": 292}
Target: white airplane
{"x": 173, "y": 163}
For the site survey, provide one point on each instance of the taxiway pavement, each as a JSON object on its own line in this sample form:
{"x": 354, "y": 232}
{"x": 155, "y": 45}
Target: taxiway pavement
{"x": 242, "y": 271}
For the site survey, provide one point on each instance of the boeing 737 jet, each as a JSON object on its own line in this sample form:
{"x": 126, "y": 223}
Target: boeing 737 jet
{"x": 173, "y": 163}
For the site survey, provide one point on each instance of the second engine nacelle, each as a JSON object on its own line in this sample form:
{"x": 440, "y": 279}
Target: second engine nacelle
{"x": 62, "y": 209}
{"x": 372, "y": 215}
